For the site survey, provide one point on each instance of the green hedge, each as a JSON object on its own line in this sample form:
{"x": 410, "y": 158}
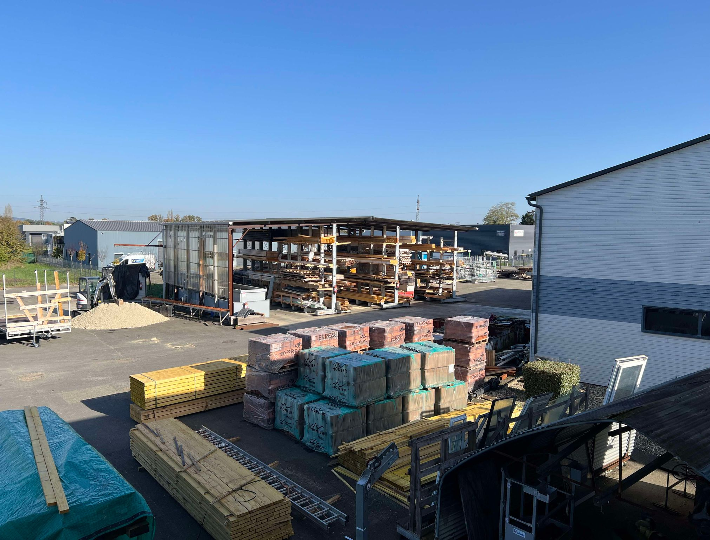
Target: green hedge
{"x": 543, "y": 376}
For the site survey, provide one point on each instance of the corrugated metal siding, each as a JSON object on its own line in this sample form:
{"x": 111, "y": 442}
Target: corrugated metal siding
{"x": 77, "y": 233}
{"x": 521, "y": 245}
{"x": 108, "y": 239}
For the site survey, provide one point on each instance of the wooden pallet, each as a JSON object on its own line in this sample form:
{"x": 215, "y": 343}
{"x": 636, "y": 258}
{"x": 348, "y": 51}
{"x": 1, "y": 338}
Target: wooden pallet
{"x": 227, "y": 499}
{"x": 187, "y": 407}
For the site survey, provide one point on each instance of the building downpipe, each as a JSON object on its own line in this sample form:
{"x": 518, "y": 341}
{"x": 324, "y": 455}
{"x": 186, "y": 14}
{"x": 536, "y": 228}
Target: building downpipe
{"x": 536, "y": 282}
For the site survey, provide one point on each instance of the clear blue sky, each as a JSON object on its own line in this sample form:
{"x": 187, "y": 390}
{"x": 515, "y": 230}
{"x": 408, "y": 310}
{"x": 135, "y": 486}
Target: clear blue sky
{"x": 266, "y": 108}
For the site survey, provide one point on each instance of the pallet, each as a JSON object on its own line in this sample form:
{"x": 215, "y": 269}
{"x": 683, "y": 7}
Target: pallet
{"x": 188, "y": 407}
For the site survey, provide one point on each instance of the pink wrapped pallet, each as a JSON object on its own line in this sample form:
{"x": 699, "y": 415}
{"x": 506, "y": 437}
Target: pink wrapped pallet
{"x": 472, "y": 377}
{"x": 468, "y": 355}
{"x": 267, "y": 384}
{"x": 353, "y": 337}
{"x": 386, "y": 334}
{"x": 417, "y": 328}
{"x": 466, "y": 329}
{"x": 316, "y": 337}
{"x": 274, "y": 353}
{"x": 259, "y": 410}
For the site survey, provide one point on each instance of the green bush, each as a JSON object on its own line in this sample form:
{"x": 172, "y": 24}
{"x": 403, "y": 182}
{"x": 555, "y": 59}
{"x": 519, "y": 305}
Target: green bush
{"x": 543, "y": 376}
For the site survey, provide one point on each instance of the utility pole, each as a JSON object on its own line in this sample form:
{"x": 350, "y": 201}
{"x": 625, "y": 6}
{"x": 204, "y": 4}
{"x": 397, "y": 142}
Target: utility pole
{"x": 42, "y": 207}
{"x": 417, "y": 218}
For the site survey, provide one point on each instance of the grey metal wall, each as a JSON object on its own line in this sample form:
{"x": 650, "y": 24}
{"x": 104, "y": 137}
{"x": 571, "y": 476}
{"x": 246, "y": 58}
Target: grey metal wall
{"x": 521, "y": 240}
{"x": 498, "y": 238}
{"x": 76, "y": 233}
{"x": 635, "y": 236}
{"x": 106, "y": 241}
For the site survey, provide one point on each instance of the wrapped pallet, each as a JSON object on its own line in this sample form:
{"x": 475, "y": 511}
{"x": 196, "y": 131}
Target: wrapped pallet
{"x": 472, "y": 377}
{"x": 403, "y": 369}
{"x": 383, "y": 415}
{"x": 274, "y": 353}
{"x": 259, "y": 410}
{"x": 316, "y": 337}
{"x": 417, "y": 404}
{"x": 267, "y": 384}
{"x": 466, "y": 329}
{"x": 355, "y": 379}
{"x": 431, "y": 378}
{"x": 353, "y": 337}
{"x": 417, "y": 328}
{"x": 451, "y": 397}
{"x": 290, "y": 405}
{"x": 328, "y": 425}
{"x": 385, "y": 334}
{"x": 437, "y": 362}
{"x": 311, "y": 366}
{"x": 468, "y": 355}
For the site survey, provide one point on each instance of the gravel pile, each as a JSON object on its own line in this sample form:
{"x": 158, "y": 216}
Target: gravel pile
{"x": 113, "y": 317}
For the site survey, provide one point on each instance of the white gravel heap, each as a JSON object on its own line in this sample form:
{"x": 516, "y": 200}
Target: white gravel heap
{"x": 111, "y": 316}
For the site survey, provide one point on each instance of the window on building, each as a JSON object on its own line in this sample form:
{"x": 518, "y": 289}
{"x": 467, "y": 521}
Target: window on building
{"x": 677, "y": 322}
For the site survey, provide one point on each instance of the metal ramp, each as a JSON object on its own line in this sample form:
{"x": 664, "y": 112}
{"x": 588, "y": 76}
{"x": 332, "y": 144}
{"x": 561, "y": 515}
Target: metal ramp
{"x": 312, "y": 507}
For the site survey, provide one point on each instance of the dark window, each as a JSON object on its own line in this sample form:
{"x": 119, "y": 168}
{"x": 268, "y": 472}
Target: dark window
{"x": 677, "y": 322}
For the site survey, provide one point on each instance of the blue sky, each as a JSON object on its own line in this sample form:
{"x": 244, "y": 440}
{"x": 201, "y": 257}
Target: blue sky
{"x": 281, "y": 108}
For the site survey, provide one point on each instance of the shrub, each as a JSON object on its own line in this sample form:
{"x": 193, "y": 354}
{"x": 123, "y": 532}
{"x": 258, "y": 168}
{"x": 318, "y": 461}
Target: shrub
{"x": 543, "y": 376}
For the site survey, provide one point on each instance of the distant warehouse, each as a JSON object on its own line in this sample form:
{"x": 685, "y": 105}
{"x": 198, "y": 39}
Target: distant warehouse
{"x": 515, "y": 241}
{"x": 623, "y": 266}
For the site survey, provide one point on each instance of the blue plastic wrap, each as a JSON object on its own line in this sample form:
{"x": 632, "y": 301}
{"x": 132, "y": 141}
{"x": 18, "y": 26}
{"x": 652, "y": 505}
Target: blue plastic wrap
{"x": 290, "y": 404}
{"x": 328, "y": 425}
{"x": 355, "y": 379}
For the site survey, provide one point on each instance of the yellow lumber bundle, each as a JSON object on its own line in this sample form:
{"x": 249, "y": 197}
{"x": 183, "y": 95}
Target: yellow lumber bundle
{"x": 175, "y": 385}
{"x": 228, "y": 500}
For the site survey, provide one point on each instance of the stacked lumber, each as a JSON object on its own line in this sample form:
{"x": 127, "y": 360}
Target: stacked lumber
{"x": 468, "y": 337}
{"x": 384, "y": 415}
{"x": 403, "y": 370}
{"x": 274, "y": 353}
{"x": 418, "y": 404}
{"x": 355, "y": 379}
{"x": 228, "y": 500}
{"x": 311, "y": 367}
{"x": 259, "y": 410}
{"x": 416, "y": 328}
{"x": 186, "y": 407}
{"x": 451, "y": 397}
{"x": 267, "y": 384}
{"x": 316, "y": 337}
{"x": 290, "y": 405}
{"x": 437, "y": 362}
{"x": 165, "y": 387}
{"x": 385, "y": 334}
{"x": 327, "y": 426}
{"x": 353, "y": 337}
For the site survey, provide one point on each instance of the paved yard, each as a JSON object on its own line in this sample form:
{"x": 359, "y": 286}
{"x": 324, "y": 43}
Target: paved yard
{"x": 83, "y": 376}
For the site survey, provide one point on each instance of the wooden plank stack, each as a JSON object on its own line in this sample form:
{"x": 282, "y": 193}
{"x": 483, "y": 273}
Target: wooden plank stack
{"x": 316, "y": 337}
{"x": 353, "y": 337}
{"x": 187, "y": 407}
{"x": 228, "y": 500}
{"x": 468, "y": 337}
{"x": 386, "y": 334}
{"x": 274, "y": 353}
{"x": 416, "y": 328}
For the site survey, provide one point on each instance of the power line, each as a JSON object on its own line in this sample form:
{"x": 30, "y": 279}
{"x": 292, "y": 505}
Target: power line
{"x": 42, "y": 207}
{"x": 417, "y": 218}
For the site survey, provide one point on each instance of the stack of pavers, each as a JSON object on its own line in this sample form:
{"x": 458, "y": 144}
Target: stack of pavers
{"x": 451, "y": 397}
{"x": 353, "y": 337}
{"x": 355, "y": 380}
{"x": 272, "y": 366}
{"x": 403, "y": 370}
{"x": 386, "y": 334}
{"x": 468, "y": 337}
{"x": 311, "y": 367}
{"x": 383, "y": 415}
{"x": 316, "y": 337}
{"x": 327, "y": 425}
{"x": 418, "y": 404}
{"x": 172, "y": 392}
{"x": 417, "y": 328}
{"x": 437, "y": 362}
{"x": 290, "y": 410}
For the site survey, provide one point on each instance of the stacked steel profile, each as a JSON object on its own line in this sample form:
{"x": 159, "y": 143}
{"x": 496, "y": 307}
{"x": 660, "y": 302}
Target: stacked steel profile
{"x": 172, "y": 392}
{"x": 227, "y": 499}
{"x": 468, "y": 337}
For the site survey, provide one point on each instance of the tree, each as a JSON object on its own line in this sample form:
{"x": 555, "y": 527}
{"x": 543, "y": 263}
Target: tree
{"x": 58, "y": 252}
{"x": 191, "y": 219}
{"x": 12, "y": 247}
{"x": 170, "y": 217}
{"x": 81, "y": 254}
{"x": 155, "y": 217}
{"x": 501, "y": 214}
{"x": 528, "y": 218}
{"x": 8, "y": 211}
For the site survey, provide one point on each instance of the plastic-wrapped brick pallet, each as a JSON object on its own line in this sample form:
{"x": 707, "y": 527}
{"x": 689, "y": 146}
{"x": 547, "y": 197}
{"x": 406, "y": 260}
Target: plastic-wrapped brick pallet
{"x": 273, "y": 353}
{"x": 466, "y": 329}
{"x": 437, "y": 362}
{"x": 316, "y": 337}
{"x": 417, "y": 328}
{"x": 384, "y": 415}
{"x": 311, "y": 367}
{"x": 452, "y": 397}
{"x": 355, "y": 379}
{"x": 259, "y": 410}
{"x": 403, "y": 369}
{"x": 472, "y": 377}
{"x": 328, "y": 425}
{"x": 417, "y": 404}
{"x": 267, "y": 384}
{"x": 290, "y": 405}
{"x": 353, "y": 337}
{"x": 385, "y": 334}
{"x": 468, "y": 355}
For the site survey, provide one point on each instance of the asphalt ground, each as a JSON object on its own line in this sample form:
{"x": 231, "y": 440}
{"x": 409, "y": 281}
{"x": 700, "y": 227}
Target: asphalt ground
{"x": 83, "y": 377}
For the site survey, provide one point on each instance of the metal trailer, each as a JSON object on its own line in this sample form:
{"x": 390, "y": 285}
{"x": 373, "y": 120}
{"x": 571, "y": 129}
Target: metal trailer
{"x": 48, "y": 316}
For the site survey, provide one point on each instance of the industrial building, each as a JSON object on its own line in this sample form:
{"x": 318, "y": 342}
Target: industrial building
{"x": 622, "y": 266}
{"x": 42, "y": 236}
{"x": 310, "y": 263}
{"x": 108, "y": 240}
{"x": 515, "y": 241}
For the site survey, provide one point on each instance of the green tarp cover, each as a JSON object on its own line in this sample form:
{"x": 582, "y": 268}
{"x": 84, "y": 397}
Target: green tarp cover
{"x": 100, "y": 500}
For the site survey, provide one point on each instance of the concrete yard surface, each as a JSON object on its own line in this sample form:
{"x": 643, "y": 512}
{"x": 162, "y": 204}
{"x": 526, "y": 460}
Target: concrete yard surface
{"x": 83, "y": 377}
